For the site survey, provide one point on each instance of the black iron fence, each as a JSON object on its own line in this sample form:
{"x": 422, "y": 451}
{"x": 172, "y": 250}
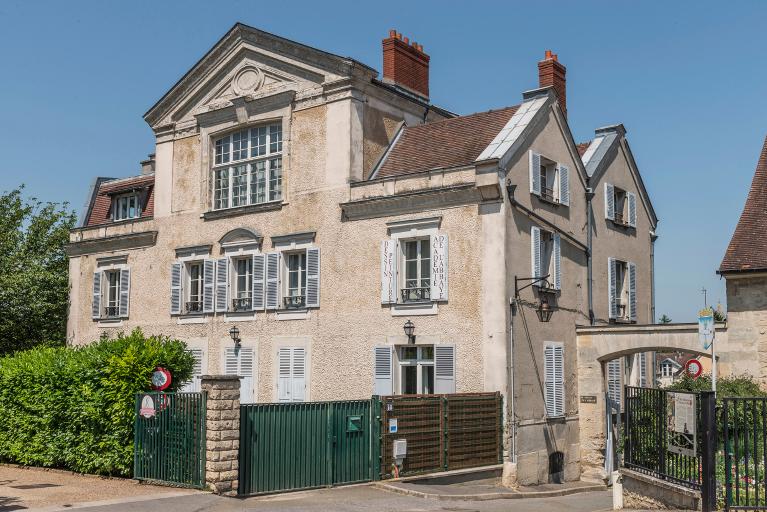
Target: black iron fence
{"x": 744, "y": 429}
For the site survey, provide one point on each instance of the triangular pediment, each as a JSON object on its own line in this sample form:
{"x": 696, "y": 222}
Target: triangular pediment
{"x": 250, "y": 64}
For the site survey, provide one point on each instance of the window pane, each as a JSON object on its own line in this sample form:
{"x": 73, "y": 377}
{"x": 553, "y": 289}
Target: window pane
{"x": 411, "y": 271}
{"x": 258, "y": 182}
{"x": 427, "y": 379}
{"x": 275, "y": 179}
{"x": 275, "y": 138}
{"x": 409, "y": 353}
{"x": 258, "y": 141}
{"x": 411, "y": 250}
{"x": 240, "y": 145}
{"x": 221, "y": 189}
{"x": 239, "y": 185}
{"x": 223, "y": 146}
{"x": 409, "y": 380}
{"x": 427, "y": 353}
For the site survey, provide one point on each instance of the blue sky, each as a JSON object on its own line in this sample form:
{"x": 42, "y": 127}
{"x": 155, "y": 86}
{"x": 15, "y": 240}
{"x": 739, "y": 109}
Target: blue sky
{"x": 687, "y": 79}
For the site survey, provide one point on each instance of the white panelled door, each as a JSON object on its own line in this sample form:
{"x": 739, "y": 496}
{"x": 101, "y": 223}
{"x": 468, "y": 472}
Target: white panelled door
{"x": 291, "y": 374}
{"x": 239, "y": 361}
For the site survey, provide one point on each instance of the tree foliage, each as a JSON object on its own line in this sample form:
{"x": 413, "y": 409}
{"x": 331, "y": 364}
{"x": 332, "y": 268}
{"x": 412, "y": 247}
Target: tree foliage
{"x": 33, "y": 271}
{"x": 664, "y": 319}
{"x": 74, "y": 407}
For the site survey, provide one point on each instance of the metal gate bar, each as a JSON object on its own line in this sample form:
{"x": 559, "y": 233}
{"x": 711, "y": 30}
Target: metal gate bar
{"x": 745, "y": 452}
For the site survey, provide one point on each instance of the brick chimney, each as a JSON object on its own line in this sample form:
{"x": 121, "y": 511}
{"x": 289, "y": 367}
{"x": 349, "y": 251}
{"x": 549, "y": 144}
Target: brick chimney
{"x": 552, "y": 74}
{"x": 405, "y": 64}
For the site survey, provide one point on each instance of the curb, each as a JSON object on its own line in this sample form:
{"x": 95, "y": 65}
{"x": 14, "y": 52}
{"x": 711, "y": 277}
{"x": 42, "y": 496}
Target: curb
{"x": 116, "y": 501}
{"x": 512, "y": 495}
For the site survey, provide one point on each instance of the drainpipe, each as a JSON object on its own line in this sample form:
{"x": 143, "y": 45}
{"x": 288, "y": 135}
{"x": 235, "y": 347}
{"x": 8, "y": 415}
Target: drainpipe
{"x": 590, "y": 227}
{"x": 653, "y": 238}
{"x": 510, "y": 385}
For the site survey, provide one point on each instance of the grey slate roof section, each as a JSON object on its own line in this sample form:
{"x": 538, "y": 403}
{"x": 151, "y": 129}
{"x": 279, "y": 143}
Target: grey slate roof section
{"x": 605, "y": 139}
{"x": 90, "y": 199}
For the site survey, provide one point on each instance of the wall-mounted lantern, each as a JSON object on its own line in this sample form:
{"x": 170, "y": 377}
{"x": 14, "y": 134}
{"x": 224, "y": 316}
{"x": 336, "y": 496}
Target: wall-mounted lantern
{"x": 234, "y": 333}
{"x": 409, "y": 329}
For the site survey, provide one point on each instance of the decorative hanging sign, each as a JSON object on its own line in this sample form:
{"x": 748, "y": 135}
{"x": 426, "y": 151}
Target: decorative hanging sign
{"x": 694, "y": 368}
{"x": 160, "y": 378}
{"x": 706, "y": 327}
{"x": 147, "y": 409}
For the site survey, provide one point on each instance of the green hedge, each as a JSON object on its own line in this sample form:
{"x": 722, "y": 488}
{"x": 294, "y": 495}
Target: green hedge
{"x": 73, "y": 407}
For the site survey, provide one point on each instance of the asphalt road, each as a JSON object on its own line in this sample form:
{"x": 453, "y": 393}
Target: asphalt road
{"x": 362, "y": 498}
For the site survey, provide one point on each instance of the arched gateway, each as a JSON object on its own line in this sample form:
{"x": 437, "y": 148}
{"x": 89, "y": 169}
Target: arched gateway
{"x": 599, "y": 344}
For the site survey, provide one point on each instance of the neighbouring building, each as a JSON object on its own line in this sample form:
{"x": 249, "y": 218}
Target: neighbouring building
{"x": 296, "y": 195}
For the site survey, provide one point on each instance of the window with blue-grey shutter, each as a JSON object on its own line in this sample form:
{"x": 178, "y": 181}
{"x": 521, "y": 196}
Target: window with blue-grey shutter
{"x": 208, "y": 285}
{"x": 632, "y": 200}
{"x": 612, "y": 288}
{"x": 259, "y": 275}
{"x": 557, "y": 256}
{"x": 313, "y": 277}
{"x": 272, "y": 280}
{"x": 614, "y": 383}
{"x": 535, "y": 251}
{"x": 563, "y": 173}
{"x": 96, "y": 304}
{"x": 609, "y": 201}
{"x": 222, "y": 284}
{"x": 535, "y": 173}
{"x": 632, "y": 277}
{"x": 554, "y": 379}
{"x": 124, "y": 303}
{"x": 176, "y": 279}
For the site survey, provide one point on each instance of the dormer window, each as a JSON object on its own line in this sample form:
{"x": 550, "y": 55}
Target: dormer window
{"x": 549, "y": 180}
{"x": 620, "y": 206}
{"x": 126, "y": 206}
{"x": 247, "y": 167}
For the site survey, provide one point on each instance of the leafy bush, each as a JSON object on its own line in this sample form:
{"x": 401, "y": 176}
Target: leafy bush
{"x": 727, "y": 386}
{"x": 74, "y": 407}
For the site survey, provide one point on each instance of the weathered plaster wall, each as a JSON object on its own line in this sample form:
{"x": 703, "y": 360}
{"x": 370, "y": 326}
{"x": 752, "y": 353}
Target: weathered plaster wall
{"x": 379, "y": 128}
{"x": 746, "y": 350}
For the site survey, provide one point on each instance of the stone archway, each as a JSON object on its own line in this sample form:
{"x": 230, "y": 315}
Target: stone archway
{"x": 599, "y": 344}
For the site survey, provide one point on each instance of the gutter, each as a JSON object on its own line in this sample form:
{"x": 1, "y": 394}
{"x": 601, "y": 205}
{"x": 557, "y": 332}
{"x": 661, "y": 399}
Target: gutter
{"x": 589, "y": 259}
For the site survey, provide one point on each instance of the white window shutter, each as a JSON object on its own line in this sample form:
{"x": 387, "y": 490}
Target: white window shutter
{"x": 313, "y": 277}
{"x": 96, "y": 304}
{"x": 444, "y": 369}
{"x": 259, "y": 269}
{"x": 559, "y": 375}
{"x": 283, "y": 375}
{"x": 535, "y": 173}
{"x": 557, "y": 255}
{"x": 564, "y": 184}
{"x": 609, "y": 201}
{"x": 612, "y": 286}
{"x": 389, "y": 271}
{"x": 222, "y": 284}
{"x": 632, "y": 269}
{"x": 614, "y": 383}
{"x": 548, "y": 365}
{"x": 382, "y": 371}
{"x": 124, "y": 292}
{"x": 176, "y": 276}
{"x": 208, "y": 285}
{"x": 247, "y": 395}
{"x": 273, "y": 280}
{"x": 299, "y": 375}
{"x": 535, "y": 251}
{"x": 643, "y": 370}
{"x": 632, "y": 199}
{"x": 439, "y": 267}
{"x": 193, "y": 386}
{"x": 554, "y": 379}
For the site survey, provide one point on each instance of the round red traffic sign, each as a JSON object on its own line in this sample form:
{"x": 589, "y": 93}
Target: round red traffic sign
{"x": 694, "y": 368}
{"x": 160, "y": 378}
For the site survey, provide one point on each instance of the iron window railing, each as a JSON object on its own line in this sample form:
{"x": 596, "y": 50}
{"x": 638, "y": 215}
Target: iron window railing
{"x": 294, "y": 301}
{"x": 547, "y": 194}
{"x": 194, "y": 306}
{"x": 111, "y": 311}
{"x": 242, "y": 304}
{"x": 416, "y": 294}
{"x": 619, "y": 219}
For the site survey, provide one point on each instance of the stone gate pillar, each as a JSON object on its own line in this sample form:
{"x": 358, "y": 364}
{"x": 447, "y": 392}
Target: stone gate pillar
{"x": 222, "y": 433}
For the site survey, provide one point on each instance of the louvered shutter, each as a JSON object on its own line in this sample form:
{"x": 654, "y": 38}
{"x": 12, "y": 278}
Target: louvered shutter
{"x": 548, "y": 366}
{"x": 535, "y": 173}
{"x": 272, "y": 280}
{"x": 259, "y": 269}
{"x": 632, "y": 199}
{"x": 609, "y": 201}
{"x": 614, "y": 384}
{"x": 554, "y": 379}
{"x": 247, "y": 393}
{"x": 564, "y": 184}
{"x": 96, "y": 304}
{"x": 222, "y": 285}
{"x": 283, "y": 375}
{"x": 439, "y": 267}
{"x": 557, "y": 255}
{"x": 176, "y": 272}
{"x": 444, "y": 369}
{"x": 313, "y": 278}
{"x": 382, "y": 371}
{"x": 535, "y": 251}
{"x": 632, "y": 269}
{"x": 298, "y": 367}
{"x": 124, "y": 305}
{"x": 559, "y": 376}
{"x": 612, "y": 287}
{"x": 643, "y": 370}
{"x": 208, "y": 285}
{"x": 389, "y": 271}
{"x": 193, "y": 386}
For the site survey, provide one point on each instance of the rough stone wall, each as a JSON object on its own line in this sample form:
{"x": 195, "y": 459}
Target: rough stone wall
{"x": 222, "y": 433}
{"x": 746, "y": 350}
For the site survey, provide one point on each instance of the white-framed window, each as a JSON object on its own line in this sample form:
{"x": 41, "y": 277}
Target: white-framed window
{"x": 294, "y": 294}
{"x": 549, "y": 180}
{"x": 195, "y": 277}
{"x": 242, "y": 283}
{"x": 192, "y": 286}
{"x": 292, "y": 279}
{"x": 554, "y": 378}
{"x": 546, "y": 257}
{"x": 620, "y": 206}
{"x": 667, "y": 369}
{"x": 416, "y": 369}
{"x": 622, "y": 296}
{"x": 291, "y": 374}
{"x": 111, "y": 293}
{"x": 414, "y": 269}
{"x": 126, "y": 206}
{"x": 247, "y": 167}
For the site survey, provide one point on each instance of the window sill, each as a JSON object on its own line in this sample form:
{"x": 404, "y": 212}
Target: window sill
{"x": 242, "y": 210}
{"x": 110, "y": 322}
{"x": 554, "y": 202}
{"x": 239, "y": 316}
{"x": 414, "y": 309}
{"x": 622, "y": 321}
{"x": 192, "y": 318}
{"x": 622, "y": 225}
{"x": 292, "y": 314}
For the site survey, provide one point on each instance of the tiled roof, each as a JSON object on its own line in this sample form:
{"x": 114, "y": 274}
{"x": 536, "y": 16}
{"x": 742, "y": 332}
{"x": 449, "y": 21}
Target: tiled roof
{"x": 100, "y": 212}
{"x": 443, "y": 144}
{"x": 748, "y": 247}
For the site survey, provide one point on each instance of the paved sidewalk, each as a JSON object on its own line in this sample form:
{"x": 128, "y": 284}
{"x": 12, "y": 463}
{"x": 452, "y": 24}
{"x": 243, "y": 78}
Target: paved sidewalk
{"x": 39, "y": 489}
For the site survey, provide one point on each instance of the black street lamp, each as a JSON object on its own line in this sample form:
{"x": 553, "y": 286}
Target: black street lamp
{"x": 234, "y": 333}
{"x": 544, "y": 309}
{"x": 409, "y": 328}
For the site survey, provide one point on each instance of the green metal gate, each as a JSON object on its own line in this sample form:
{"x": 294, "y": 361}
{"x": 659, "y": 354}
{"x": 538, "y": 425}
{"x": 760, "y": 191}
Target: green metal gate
{"x": 169, "y": 438}
{"x": 290, "y": 446}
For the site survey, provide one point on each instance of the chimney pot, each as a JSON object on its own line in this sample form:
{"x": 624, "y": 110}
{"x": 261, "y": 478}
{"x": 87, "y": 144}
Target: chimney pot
{"x": 405, "y": 64}
{"x": 406, "y": 40}
{"x": 392, "y": 33}
{"x": 548, "y": 55}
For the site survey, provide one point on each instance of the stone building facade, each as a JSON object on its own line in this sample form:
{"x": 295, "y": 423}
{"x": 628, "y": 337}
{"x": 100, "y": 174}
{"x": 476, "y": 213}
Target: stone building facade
{"x": 317, "y": 208}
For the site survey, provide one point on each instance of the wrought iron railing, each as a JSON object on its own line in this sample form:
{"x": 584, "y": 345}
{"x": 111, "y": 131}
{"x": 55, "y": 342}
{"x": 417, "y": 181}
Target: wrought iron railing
{"x": 194, "y": 306}
{"x": 619, "y": 219}
{"x": 111, "y": 311}
{"x": 242, "y": 304}
{"x": 294, "y": 301}
{"x": 744, "y": 431}
{"x": 547, "y": 193}
{"x": 416, "y": 294}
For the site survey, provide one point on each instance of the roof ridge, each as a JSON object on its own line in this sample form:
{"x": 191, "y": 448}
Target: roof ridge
{"x": 438, "y": 121}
